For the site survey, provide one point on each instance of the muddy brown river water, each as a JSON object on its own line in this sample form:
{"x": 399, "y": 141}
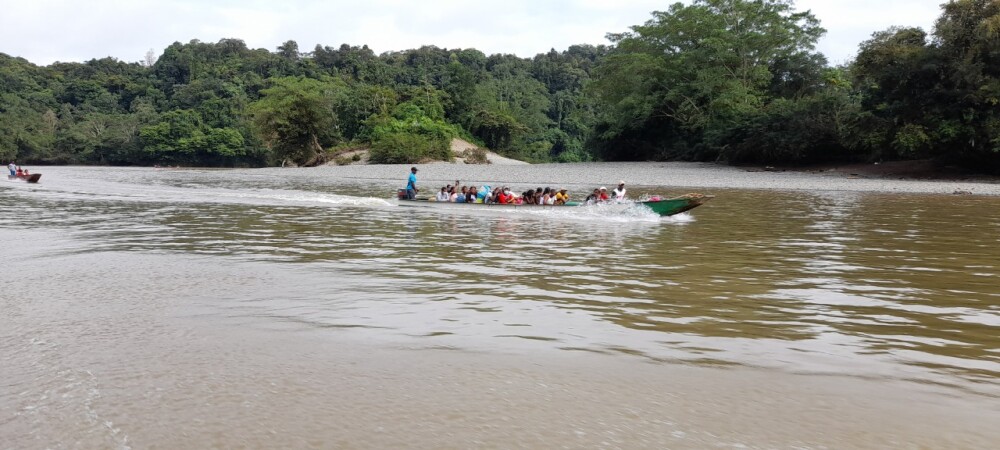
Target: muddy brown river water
{"x": 300, "y": 308}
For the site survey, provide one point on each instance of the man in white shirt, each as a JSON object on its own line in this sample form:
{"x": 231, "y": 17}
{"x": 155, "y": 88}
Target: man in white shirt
{"x": 620, "y": 191}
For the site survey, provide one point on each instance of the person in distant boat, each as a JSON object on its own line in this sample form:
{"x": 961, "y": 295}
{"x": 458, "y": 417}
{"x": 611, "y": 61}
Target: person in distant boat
{"x": 19, "y": 172}
{"x": 604, "y": 194}
{"x": 594, "y": 197}
{"x": 560, "y": 197}
{"x": 411, "y": 185}
{"x": 12, "y": 168}
{"x": 619, "y": 192}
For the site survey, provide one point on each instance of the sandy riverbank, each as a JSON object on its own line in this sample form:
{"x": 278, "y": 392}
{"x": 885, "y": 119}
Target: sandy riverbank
{"x": 682, "y": 176}
{"x": 458, "y": 148}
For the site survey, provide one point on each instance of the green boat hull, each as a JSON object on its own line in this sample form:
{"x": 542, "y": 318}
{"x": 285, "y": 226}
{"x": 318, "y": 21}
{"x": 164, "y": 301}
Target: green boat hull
{"x": 664, "y": 207}
{"x": 677, "y": 205}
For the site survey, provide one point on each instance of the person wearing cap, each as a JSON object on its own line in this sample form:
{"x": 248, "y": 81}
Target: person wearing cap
{"x": 603, "y": 195}
{"x": 620, "y": 191}
{"x": 411, "y": 185}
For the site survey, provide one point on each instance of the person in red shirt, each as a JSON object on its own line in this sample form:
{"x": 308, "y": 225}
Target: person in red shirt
{"x": 604, "y": 195}
{"x": 505, "y": 197}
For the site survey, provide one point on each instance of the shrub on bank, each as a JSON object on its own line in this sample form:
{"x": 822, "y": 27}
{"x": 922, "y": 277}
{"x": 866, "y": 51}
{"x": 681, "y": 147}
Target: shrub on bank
{"x": 475, "y": 156}
{"x": 405, "y": 148}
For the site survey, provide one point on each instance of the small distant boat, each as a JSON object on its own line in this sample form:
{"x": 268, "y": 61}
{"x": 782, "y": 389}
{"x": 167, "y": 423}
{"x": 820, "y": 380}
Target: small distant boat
{"x": 663, "y": 207}
{"x": 31, "y": 178}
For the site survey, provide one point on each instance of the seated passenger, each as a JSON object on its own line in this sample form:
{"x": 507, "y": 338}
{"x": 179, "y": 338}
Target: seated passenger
{"x": 505, "y": 197}
{"x": 561, "y": 197}
{"x": 594, "y": 197}
{"x": 620, "y": 191}
{"x": 443, "y": 196}
{"x": 604, "y": 194}
{"x": 20, "y": 172}
{"x": 548, "y": 196}
{"x": 461, "y": 195}
{"x": 528, "y": 197}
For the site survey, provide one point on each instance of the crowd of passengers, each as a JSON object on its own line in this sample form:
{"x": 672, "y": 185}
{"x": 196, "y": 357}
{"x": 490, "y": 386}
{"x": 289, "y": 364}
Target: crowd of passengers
{"x": 504, "y": 196}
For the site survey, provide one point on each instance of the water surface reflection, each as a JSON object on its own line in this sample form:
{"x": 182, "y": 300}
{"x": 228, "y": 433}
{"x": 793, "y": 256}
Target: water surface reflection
{"x": 867, "y": 285}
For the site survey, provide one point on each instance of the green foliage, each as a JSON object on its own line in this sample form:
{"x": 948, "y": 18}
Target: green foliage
{"x": 409, "y": 118}
{"x": 295, "y": 117}
{"x": 967, "y": 36}
{"x": 497, "y": 129}
{"x": 181, "y": 136}
{"x": 475, "y": 156}
{"x": 726, "y": 80}
{"x": 934, "y": 98}
{"x": 360, "y": 102}
{"x": 696, "y": 70}
{"x": 410, "y": 135}
{"x": 406, "y": 148}
{"x": 803, "y": 130}
{"x": 911, "y": 140}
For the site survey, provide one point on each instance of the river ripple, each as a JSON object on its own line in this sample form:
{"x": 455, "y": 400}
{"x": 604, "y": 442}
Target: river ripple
{"x": 898, "y": 288}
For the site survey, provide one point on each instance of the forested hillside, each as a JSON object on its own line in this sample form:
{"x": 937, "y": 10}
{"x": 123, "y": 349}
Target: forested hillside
{"x": 720, "y": 80}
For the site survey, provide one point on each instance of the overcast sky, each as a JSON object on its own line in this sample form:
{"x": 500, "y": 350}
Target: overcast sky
{"x": 44, "y": 31}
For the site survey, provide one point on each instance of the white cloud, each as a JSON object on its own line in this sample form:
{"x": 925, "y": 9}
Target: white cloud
{"x": 849, "y": 22}
{"x": 44, "y": 31}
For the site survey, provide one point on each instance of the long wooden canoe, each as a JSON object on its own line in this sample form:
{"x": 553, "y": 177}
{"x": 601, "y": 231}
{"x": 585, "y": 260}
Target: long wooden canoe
{"x": 662, "y": 207}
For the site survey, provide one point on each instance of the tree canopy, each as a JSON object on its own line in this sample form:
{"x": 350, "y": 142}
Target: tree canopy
{"x": 719, "y": 80}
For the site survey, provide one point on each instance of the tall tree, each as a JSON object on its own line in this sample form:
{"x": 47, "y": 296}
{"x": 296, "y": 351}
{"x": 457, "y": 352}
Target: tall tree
{"x": 967, "y": 36}
{"x": 295, "y": 117}
{"x": 696, "y": 69}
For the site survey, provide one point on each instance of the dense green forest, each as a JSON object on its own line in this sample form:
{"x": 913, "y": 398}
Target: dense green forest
{"x": 716, "y": 80}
